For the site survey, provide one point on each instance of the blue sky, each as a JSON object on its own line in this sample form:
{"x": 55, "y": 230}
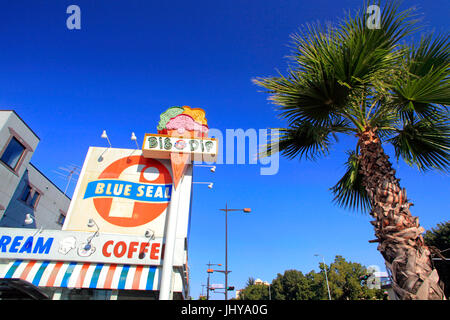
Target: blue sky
{"x": 132, "y": 60}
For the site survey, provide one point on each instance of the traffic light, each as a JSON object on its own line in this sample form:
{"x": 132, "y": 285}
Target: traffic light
{"x": 230, "y": 288}
{"x": 210, "y": 270}
{"x": 363, "y": 279}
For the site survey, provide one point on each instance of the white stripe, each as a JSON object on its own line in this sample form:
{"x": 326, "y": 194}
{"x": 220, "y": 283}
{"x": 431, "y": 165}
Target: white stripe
{"x": 5, "y": 270}
{"x": 88, "y": 277}
{"x": 144, "y": 276}
{"x": 47, "y": 273}
{"x": 130, "y": 277}
{"x": 20, "y": 269}
{"x": 116, "y": 277}
{"x": 74, "y": 277}
{"x": 102, "y": 277}
{"x": 156, "y": 279}
{"x": 33, "y": 271}
{"x": 61, "y": 273}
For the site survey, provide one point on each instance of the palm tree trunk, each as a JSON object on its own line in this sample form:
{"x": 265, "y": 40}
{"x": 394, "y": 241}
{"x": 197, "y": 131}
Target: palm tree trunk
{"x": 398, "y": 232}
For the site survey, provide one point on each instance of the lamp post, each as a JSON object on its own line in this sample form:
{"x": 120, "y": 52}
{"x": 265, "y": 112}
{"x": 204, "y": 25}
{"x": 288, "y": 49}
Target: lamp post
{"x": 247, "y": 210}
{"x": 326, "y": 277}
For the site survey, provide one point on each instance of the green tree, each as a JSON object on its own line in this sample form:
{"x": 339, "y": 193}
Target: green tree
{"x": 366, "y": 83}
{"x": 343, "y": 278}
{"x": 438, "y": 238}
{"x": 345, "y": 283}
{"x": 292, "y": 285}
{"x": 255, "y": 292}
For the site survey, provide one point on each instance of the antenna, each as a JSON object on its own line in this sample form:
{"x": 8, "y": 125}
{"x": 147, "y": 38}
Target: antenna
{"x": 68, "y": 174}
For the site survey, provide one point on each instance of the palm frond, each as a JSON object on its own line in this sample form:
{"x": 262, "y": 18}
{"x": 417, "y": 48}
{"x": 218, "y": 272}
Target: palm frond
{"x": 368, "y": 54}
{"x": 349, "y": 192}
{"x": 424, "y": 88}
{"x": 315, "y": 99}
{"x": 424, "y": 143}
{"x": 333, "y": 63}
{"x": 304, "y": 140}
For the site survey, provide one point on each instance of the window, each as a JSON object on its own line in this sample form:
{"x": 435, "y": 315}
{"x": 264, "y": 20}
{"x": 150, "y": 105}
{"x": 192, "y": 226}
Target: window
{"x": 61, "y": 219}
{"x": 29, "y": 197}
{"x": 13, "y": 153}
{"x": 26, "y": 193}
{"x": 34, "y": 199}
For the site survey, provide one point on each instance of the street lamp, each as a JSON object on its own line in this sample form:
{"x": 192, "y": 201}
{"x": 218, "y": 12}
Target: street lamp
{"x": 246, "y": 210}
{"x": 326, "y": 277}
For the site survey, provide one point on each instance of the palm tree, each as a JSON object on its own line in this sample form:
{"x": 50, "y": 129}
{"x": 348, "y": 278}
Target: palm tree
{"x": 350, "y": 79}
{"x": 250, "y": 281}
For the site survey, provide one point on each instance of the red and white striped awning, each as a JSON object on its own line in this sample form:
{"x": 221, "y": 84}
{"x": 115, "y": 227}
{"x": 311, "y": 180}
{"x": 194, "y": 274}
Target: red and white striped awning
{"x": 83, "y": 275}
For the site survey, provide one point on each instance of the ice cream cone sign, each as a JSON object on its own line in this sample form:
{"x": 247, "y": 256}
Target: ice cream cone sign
{"x": 182, "y": 137}
{"x": 179, "y": 162}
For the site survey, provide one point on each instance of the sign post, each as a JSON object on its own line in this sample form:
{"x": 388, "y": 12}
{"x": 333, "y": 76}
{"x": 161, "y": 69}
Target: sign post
{"x": 167, "y": 267}
{"x": 182, "y": 137}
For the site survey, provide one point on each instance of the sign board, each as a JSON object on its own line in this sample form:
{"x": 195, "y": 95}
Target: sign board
{"x": 160, "y": 146}
{"x": 126, "y": 193}
{"x": 23, "y": 244}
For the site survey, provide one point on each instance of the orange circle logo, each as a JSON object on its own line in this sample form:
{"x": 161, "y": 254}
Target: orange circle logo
{"x": 125, "y": 202}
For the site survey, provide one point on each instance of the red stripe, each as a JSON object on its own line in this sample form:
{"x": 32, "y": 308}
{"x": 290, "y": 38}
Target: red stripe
{"x": 52, "y": 278}
{"x": 27, "y": 270}
{"x": 109, "y": 276}
{"x": 137, "y": 278}
{"x": 82, "y": 275}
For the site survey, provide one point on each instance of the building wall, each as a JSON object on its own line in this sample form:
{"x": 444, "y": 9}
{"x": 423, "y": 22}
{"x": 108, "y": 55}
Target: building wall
{"x": 51, "y": 203}
{"x": 12, "y": 126}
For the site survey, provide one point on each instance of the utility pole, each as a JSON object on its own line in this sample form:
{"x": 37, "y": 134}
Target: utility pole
{"x": 209, "y": 271}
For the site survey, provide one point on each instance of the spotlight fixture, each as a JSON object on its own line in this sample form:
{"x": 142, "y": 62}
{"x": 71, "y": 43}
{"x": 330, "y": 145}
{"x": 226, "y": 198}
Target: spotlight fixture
{"x": 91, "y": 223}
{"x": 133, "y": 137}
{"x": 210, "y": 184}
{"x": 213, "y": 168}
{"x": 150, "y": 234}
{"x": 29, "y": 218}
{"x": 105, "y": 136}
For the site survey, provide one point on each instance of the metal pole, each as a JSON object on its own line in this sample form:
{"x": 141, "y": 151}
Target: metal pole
{"x": 226, "y": 251}
{"x": 207, "y": 288}
{"x": 326, "y": 277}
